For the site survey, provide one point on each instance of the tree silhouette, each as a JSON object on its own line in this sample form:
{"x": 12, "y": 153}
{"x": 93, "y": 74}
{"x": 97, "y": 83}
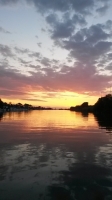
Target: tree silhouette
{"x": 1, "y": 103}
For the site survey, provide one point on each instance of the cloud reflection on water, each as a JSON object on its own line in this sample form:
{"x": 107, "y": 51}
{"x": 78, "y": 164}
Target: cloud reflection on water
{"x": 49, "y": 151}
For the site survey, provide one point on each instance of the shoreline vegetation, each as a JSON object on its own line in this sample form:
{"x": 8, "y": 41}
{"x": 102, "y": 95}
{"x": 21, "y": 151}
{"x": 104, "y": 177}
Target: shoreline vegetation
{"x": 102, "y": 111}
{"x": 8, "y": 107}
{"x": 102, "y": 106}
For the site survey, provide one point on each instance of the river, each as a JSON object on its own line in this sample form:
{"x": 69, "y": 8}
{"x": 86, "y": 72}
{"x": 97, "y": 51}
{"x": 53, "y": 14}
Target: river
{"x": 55, "y": 155}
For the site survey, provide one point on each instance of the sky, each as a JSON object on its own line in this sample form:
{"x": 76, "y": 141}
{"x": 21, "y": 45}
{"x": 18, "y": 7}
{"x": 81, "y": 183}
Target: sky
{"x": 55, "y": 53}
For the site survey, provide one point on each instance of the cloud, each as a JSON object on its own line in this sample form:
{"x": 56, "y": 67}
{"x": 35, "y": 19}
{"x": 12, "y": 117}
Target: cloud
{"x": 103, "y": 8}
{"x": 10, "y": 78}
{"x": 37, "y": 100}
{"x": 88, "y": 44}
{"x": 8, "y": 2}
{"x": 78, "y": 78}
{"x": 65, "y": 27}
{"x": 78, "y": 19}
{"x": 109, "y": 67}
{"x": 80, "y": 6}
{"x": 2, "y": 30}
{"x": 39, "y": 44}
{"x": 28, "y": 52}
{"x": 24, "y": 62}
{"x": 108, "y": 24}
{"x": 43, "y": 30}
{"x": 34, "y": 54}
{"x": 45, "y": 61}
{"x": 39, "y": 58}
{"x": 89, "y": 51}
{"x": 6, "y": 51}
{"x": 89, "y": 48}
{"x": 5, "y": 92}
{"x": 21, "y": 51}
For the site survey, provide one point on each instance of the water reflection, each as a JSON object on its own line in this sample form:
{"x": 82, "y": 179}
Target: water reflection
{"x": 54, "y": 155}
{"x": 104, "y": 120}
{"x": 83, "y": 181}
{"x": 1, "y": 116}
{"x": 85, "y": 114}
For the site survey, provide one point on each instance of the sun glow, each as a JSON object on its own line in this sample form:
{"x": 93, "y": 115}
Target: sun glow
{"x": 54, "y": 99}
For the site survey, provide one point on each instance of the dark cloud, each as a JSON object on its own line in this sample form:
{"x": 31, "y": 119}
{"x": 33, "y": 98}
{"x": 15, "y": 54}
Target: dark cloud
{"x": 6, "y": 51}
{"x": 81, "y": 6}
{"x": 24, "y": 62}
{"x": 88, "y": 44}
{"x": 39, "y": 58}
{"x": 108, "y": 24}
{"x": 78, "y": 19}
{"x": 109, "y": 66}
{"x": 29, "y": 53}
{"x": 62, "y": 30}
{"x": 103, "y": 9}
{"x": 65, "y": 69}
{"x": 2, "y": 30}
{"x": 84, "y": 52}
{"x": 8, "y": 2}
{"x": 109, "y": 55}
{"x": 65, "y": 27}
{"x": 45, "y": 61}
{"x": 52, "y": 19}
{"x": 34, "y": 54}
{"x": 93, "y": 34}
{"x": 21, "y": 51}
{"x": 40, "y": 100}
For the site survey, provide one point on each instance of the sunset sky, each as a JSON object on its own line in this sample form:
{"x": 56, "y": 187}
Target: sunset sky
{"x": 55, "y": 52}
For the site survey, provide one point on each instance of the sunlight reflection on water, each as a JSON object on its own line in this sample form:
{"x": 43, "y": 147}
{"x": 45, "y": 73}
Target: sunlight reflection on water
{"x": 55, "y": 155}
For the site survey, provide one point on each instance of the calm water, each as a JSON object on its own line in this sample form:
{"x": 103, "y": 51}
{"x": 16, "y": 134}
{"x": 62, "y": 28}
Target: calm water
{"x": 59, "y": 155}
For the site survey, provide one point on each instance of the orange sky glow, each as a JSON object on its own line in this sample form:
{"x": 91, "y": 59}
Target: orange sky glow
{"x": 60, "y": 100}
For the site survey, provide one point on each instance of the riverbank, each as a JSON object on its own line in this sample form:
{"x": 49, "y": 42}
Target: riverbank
{"x": 103, "y": 105}
{"x": 9, "y": 107}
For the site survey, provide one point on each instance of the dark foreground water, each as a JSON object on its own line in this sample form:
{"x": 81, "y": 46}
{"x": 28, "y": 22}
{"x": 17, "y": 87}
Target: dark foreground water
{"x": 58, "y": 155}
